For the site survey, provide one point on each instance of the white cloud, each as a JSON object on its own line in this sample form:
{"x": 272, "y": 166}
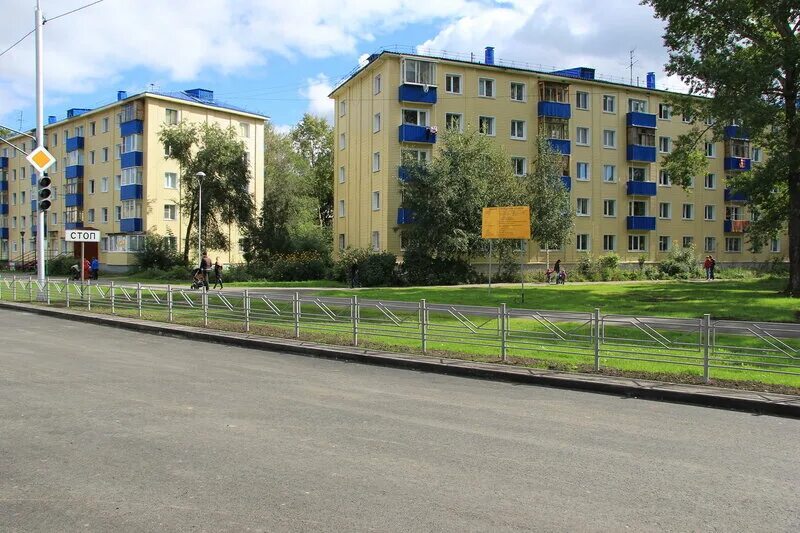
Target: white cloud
{"x": 283, "y": 129}
{"x": 317, "y": 92}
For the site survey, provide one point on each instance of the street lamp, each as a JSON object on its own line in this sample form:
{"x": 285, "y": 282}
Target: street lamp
{"x": 22, "y": 239}
{"x": 200, "y": 175}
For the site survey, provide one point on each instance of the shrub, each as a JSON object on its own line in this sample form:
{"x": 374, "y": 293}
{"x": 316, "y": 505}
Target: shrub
{"x": 419, "y": 269}
{"x": 608, "y": 261}
{"x": 586, "y": 267}
{"x": 734, "y": 273}
{"x": 374, "y": 268}
{"x": 157, "y": 254}
{"x": 298, "y": 266}
{"x": 681, "y": 263}
{"x": 61, "y": 266}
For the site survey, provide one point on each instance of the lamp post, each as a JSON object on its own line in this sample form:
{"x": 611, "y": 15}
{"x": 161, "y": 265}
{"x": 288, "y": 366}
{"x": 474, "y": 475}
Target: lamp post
{"x": 22, "y": 241}
{"x": 200, "y": 176}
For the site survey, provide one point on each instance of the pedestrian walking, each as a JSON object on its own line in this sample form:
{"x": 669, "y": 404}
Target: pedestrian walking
{"x": 707, "y": 267}
{"x": 217, "y": 273}
{"x": 713, "y": 265}
{"x": 354, "y": 275}
{"x": 87, "y": 270}
{"x": 205, "y": 268}
{"x": 95, "y": 266}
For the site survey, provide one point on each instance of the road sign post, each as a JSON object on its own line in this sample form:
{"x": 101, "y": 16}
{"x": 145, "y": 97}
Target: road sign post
{"x": 507, "y": 223}
{"x": 82, "y": 236}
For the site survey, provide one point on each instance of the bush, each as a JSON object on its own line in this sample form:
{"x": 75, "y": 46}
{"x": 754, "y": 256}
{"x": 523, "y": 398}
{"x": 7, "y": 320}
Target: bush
{"x": 608, "y": 261}
{"x": 374, "y": 268}
{"x": 298, "y": 266}
{"x": 586, "y": 267}
{"x": 680, "y": 263}
{"x": 61, "y": 266}
{"x": 157, "y": 254}
{"x": 419, "y": 269}
{"x": 734, "y": 273}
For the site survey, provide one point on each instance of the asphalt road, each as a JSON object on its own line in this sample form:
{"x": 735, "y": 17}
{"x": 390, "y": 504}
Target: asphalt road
{"x": 102, "y": 429}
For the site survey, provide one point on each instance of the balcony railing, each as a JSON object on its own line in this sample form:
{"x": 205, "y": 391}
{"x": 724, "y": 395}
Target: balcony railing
{"x": 741, "y": 164}
{"x": 641, "y": 188}
{"x": 3, "y": 233}
{"x": 131, "y": 127}
{"x": 643, "y": 154}
{"x": 417, "y": 94}
{"x": 641, "y": 120}
{"x": 3, "y": 162}
{"x": 129, "y": 225}
{"x": 74, "y": 143}
{"x": 131, "y": 159}
{"x": 3, "y": 209}
{"x": 411, "y": 133}
{"x": 3, "y": 185}
{"x": 405, "y": 215}
{"x": 735, "y": 226}
{"x": 554, "y": 109}
{"x": 640, "y": 223}
{"x": 130, "y": 192}
{"x": 73, "y": 172}
{"x": 73, "y": 200}
{"x": 731, "y": 196}
{"x": 73, "y": 225}
{"x": 562, "y": 146}
{"x": 567, "y": 181}
{"x": 735, "y": 132}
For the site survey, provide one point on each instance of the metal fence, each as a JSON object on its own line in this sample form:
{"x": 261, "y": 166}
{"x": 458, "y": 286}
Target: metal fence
{"x": 592, "y": 340}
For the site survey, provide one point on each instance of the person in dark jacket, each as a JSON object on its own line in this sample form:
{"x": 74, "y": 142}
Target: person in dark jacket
{"x": 217, "y": 273}
{"x": 205, "y": 268}
{"x": 95, "y": 266}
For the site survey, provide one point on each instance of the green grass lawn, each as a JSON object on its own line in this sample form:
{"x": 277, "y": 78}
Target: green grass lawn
{"x": 752, "y": 299}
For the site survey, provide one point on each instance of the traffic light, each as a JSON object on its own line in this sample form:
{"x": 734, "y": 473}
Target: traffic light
{"x": 45, "y": 192}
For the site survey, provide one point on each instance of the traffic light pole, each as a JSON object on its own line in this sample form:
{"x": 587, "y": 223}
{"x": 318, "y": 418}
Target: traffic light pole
{"x": 40, "y": 233}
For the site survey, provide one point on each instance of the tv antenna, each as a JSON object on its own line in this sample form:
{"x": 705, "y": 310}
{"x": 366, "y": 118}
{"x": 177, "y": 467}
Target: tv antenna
{"x": 632, "y": 62}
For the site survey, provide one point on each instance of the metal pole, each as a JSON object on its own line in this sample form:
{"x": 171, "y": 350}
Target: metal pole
{"x": 204, "y": 299}
{"x": 490, "y": 265}
{"x": 706, "y": 344}
{"x": 521, "y": 270}
{"x": 39, "y": 135}
{"x": 246, "y": 311}
{"x": 503, "y": 333}
{"x": 139, "y": 299}
{"x": 89, "y": 299}
{"x": 296, "y": 306}
{"x": 113, "y": 296}
{"x": 596, "y": 337}
{"x": 169, "y": 303}
{"x": 423, "y": 320}
{"x": 354, "y": 317}
{"x": 66, "y": 290}
{"x": 13, "y": 288}
{"x": 83, "y": 258}
{"x": 30, "y": 288}
{"x": 200, "y": 221}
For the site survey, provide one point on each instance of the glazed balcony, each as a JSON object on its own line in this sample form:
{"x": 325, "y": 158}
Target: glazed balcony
{"x": 738, "y": 164}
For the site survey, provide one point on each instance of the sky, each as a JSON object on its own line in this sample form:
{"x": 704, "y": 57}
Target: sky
{"x": 282, "y": 58}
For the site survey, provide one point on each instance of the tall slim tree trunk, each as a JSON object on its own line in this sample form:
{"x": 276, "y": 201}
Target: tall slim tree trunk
{"x": 794, "y": 235}
{"x": 189, "y": 226}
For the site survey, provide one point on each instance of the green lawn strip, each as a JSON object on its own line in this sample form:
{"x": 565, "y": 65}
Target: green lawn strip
{"x": 753, "y": 299}
{"x": 530, "y": 342}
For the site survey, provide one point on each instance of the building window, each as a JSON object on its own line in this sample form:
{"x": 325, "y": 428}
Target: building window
{"x": 520, "y": 166}
{"x": 711, "y": 150}
{"x": 687, "y": 118}
{"x": 342, "y": 141}
{"x": 419, "y": 72}
{"x": 118, "y": 150}
{"x": 91, "y": 186}
{"x": 582, "y": 242}
{"x": 581, "y": 100}
{"x": 609, "y": 173}
{"x": 453, "y": 121}
{"x": 376, "y": 200}
{"x": 609, "y": 103}
{"x": 664, "y": 145}
{"x": 775, "y": 245}
{"x": 711, "y": 181}
{"x": 733, "y": 244}
{"x": 582, "y": 136}
{"x": 341, "y": 239}
{"x": 376, "y": 161}
{"x": 105, "y": 125}
{"x": 637, "y": 106}
{"x": 415, "y": 117}
{"x": 376, "y": 241}
{"x": 637, "y": 243}
{"x": 169, "y": 212}
{"x": 117, "y": 182}
{"x": 104, "y": 215}
{"x": 709, "y": 212}
{"x": 665, "y": 210}
{"x": 710, "y": 244}
{"x": 518, "y": 129}
{"x": 90, "y": 215}
{"x": 170, "y": 180}
{"x": 663, "y": 179}
{"x": 117, "y": 213}
{"x": 92, "y": 129}
{"x": 637, "y": 208}
{"x": 688, "y": 211}
{"x": 376, "y": 123}
{"x": 637, "y": 174}
{"x": 342, "y": 108}
{"x": 609, "y": 139}
{"x": 518, "y": 93}
{"x": 171, "y": 116}
{"x": 609, "y": 208}
{"x": 663, "y": 243}
{"x": 756, "y": 155}
{"x": 341, "y": 175}
{"x": 664, "y": 111}
{"x": 376, "y": 84}
{"x": 341, "y": 208}
{"x": 54, "y": 218}
{"x": 582, "y": 207}
{"x": 583, "y": 171}
{"x": 486, "y": 125}
{"x": 91, "y": 157}
{"x": 104, "y": 184}
{"x": 486, "y": 87}
{"x": 609, "y": 243}
{"x": 105, "y": 155}
{"x": 452, "y": 83}
{"x": 416, "y": 156}
{"x": 244, "y": 129}
{"x": 688, "y": 241}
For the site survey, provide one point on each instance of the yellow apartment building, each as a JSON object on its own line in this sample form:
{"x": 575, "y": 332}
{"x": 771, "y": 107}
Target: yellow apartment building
{"x": 613, "y": 137}
{"x": 111, "y": 174}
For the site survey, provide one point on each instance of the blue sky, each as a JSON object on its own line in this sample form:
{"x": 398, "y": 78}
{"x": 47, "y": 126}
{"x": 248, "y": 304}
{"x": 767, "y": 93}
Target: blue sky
{"x": 281, "y": 59}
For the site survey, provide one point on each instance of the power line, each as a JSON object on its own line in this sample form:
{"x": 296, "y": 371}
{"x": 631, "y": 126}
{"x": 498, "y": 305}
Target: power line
{"x": 16, "y": 43}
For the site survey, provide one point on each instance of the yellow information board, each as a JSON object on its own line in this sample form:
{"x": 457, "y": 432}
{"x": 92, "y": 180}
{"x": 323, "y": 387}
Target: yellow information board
{"x": 506, "y": 223}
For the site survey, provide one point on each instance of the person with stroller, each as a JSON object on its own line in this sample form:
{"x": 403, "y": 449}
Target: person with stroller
{"x": 205, "y": 268}
{"x": 554, "y": 272}
{"x": 217, "y": 273}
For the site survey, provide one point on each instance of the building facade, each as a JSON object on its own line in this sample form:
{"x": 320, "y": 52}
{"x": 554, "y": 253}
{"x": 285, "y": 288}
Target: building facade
{"x": 613, "y": 138}
{"x": 111, "y": 174}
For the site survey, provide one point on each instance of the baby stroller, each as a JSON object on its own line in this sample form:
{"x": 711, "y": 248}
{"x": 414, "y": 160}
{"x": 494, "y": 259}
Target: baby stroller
{"x": 562, "y": 277}
{"x": 76, "y": 272}
{"x": 198, "y": 280}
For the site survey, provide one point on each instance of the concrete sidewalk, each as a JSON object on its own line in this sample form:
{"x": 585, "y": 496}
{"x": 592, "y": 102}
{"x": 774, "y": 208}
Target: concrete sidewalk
{"x": 752, "y": 401}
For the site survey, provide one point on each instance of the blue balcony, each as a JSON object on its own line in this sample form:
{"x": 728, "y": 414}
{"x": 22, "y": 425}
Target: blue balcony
{"x": 562, "y": 146}
{"x": 641, "y": 188}
{"x": 735, "y": 132}
{"x": 405, "y": 215}
{"x": 741, "y": 164}
{"x": 3, "y": 185}
{"x": 3, "y": 233}
{"x": 73, "y": 200}
{"x": 131, "y": 127}
{"x": 567, "y": 181}
{"x": 130, "y": 192}
{"x": 410, "y": 133}
{"x": 130, "y": 224}
{"x": 642, "y": 154}
{"x": 34, "y": 205}
{"x": 74, "y": 143}
{"x": 3, "y": 209}
{"x": 641, "y": 223}
{"x": 75, "y": 171}
{"x": 3, "y": 162}
{"x": 735, "y": 226}
{"x": 731, "y": 196}
{"x": 403, "y": 174}
{"x": 73, "y": 225}
{"x": 554, "y": 110}
{"x": 641, "y": 120}
{"x": 131, "y": 159}
{"x": 416, "y": 93}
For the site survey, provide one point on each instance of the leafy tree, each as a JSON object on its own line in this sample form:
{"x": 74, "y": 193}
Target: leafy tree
{"x": 222, "y": 157}
{"x": 313, "y": 140}
{"x": 157, "y": 253}
{"x": 447, "y": 197}
{"x": 552, "y": 216}
{"x": 745, "y": 57}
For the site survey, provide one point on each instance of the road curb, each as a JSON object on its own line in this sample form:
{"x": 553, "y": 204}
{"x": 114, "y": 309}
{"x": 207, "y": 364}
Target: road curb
{"x": 750, "y": 401}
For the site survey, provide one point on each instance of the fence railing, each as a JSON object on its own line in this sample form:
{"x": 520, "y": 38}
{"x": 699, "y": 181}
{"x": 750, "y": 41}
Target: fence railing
{"x": 590, "y": 340}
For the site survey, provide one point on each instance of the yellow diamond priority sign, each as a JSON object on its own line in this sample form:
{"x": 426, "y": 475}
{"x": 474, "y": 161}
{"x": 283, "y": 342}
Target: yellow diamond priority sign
{"x": 41, "y": 159}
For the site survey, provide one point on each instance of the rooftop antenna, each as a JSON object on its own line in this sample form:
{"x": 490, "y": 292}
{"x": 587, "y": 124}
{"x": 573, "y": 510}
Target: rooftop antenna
{"x": 20, "y": 120}
{"x": 633, "y": 61}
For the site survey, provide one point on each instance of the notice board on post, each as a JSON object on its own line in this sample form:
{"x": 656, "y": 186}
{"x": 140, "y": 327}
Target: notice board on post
{"x": 506, "y": 223}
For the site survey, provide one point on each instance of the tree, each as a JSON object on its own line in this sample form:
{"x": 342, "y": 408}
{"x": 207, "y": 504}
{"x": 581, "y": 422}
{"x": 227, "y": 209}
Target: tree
{"x": 744, "y": 56}
{"x": 313, "y": 140}
{"x": 447, "y": 197}
{"x": 552, "y": 216}
{"x": 222, "y": 157}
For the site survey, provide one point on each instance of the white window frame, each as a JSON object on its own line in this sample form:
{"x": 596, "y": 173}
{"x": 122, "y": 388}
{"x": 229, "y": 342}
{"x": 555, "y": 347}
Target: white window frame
{"x": 418, "y": 79}
{"x": 664, "y": 239}
{"x": 341, "y": 209}
{"x": 713, "y": 149}
{"x": 170, "y": 180}
{"x": 423, "y": 116}
{"x": 582, "y": 242}
{"x": 613, "y": 173}
{"x": 612, "y": 239}
{"x": 460, "y": 116}
{"x": 710, "y": 176}
{"x": 775, "y": 245}
{"x": 376, "y": 241}
{"x": 524, "y": 125}
{"x": 587, "y": 176}
{"x": 377, "y": 83}
{"x": 376, "y": 162}
{"x": 376, "y": 200}
{"x": 687, "y": 241}
{"x": 612, "y": 100}
{"x": 637, "y": 105}
{"x": 586, "y": 98}
{"x": 583, "y": 207}
{"x": 610, "y": 207}
{"x": 613, "y": 136}
{"x": 513, "y": 93}
{"x": 342, "y": 141}
{"x": 668, "y": 144}
{"x": 664, "y": 179}
{"x": 376, "y": 122}
{"x": 730, "y": 249}
{"x": 664, "y": 111}
{"x": 709, "y": 209}
{"x": 342, "y": 174}
{"x": 588, "y": 136}
{"x": 170, "y": 212}
{"x": 661, "y": 212}
{"x": 641, "y": 241}
{"x": 690, "y": 209}
{"x": 710, "y": 244}
{"x": 450, "y": 80}
{"x": 491, "y": 122}
{"x": 520, "y": 165}
{"x": 483, "y": 83}
{"x": 342, "y": 108}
